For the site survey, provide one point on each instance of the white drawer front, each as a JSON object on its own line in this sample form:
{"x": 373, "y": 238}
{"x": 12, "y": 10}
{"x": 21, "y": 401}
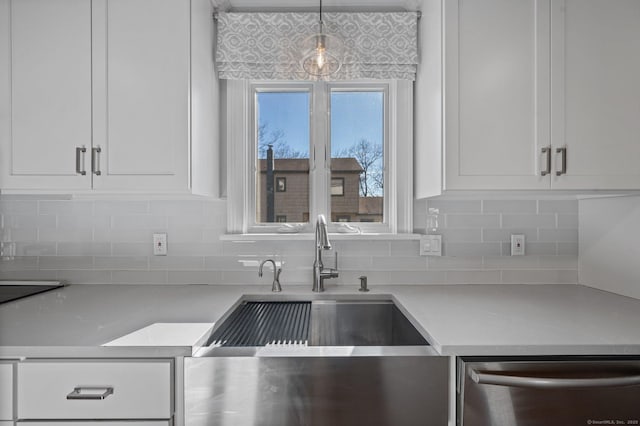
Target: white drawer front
{"x": 140, "y": 390}
{"x": 97, "y": 423}
{"x": 6, "y": 392}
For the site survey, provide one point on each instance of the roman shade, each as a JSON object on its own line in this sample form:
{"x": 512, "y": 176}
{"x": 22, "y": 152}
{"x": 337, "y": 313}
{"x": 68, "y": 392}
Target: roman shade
{"x": 268, "y": 46}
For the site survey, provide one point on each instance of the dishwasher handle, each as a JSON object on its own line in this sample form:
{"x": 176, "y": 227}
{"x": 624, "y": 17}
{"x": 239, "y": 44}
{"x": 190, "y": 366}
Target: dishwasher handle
{"x": 483, "y": 378}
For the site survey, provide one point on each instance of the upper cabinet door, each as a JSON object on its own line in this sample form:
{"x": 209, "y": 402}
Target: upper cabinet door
{"x": 497, "y": 78}
{"x": 596, "y": 93}
{"x": 141, "y": 94}
{"x": 45, "y": 93}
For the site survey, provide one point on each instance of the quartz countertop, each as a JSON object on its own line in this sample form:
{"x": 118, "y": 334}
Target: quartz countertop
{"x": 120, "y": 320}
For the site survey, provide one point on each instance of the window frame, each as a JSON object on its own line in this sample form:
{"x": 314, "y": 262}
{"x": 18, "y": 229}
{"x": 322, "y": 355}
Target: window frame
{"x": 241, "y": 138}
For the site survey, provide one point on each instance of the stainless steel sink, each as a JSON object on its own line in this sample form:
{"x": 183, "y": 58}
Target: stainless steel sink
{"x": 316, "y": 323}
{"x": 318, "y": 362}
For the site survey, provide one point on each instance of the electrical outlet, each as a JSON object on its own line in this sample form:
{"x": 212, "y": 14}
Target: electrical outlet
{"x": 160, "y": 244}
{"x": 431, "y": 245}
{"x": 517, "y": 244}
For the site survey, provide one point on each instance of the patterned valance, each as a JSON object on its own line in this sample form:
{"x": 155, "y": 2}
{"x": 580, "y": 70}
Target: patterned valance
{"x": 268, "y": 46}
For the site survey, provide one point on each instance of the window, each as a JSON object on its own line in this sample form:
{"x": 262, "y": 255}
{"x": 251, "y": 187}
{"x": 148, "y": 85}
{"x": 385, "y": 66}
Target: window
{"x": 337, "y": 186}
{"x": 304, "y": 149}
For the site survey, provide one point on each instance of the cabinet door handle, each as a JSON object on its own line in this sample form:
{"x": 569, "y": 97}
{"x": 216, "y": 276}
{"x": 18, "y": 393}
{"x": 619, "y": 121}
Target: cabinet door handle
{"x": 563, "y": 168}
{"x": 547, "y": 150}
{"x": 488, "y": 378}
{"x": 80, "y": 160}
{"x": 89, "y": 392}
{"x": 95, "y": 161}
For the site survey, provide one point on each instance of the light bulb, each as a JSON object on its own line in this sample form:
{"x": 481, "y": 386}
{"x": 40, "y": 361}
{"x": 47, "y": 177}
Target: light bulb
{"x": 320, "y": 51}
{"x": 320, "y": 59}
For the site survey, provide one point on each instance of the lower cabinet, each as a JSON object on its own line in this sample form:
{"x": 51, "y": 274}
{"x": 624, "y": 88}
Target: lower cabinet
{"x": 93, "y": 423}
{"x": 6, "y": 393}
{"x": 95, "y": 390}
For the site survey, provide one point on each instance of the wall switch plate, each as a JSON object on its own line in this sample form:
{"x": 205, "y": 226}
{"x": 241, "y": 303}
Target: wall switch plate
{"x": 160, "y": 244}
{"x": 431, "y": 245}
{"x": 517, "y": 244}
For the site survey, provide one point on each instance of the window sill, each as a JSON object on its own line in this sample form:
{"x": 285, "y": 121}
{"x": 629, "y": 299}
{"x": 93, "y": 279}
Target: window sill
{"x": 310, "y": 236}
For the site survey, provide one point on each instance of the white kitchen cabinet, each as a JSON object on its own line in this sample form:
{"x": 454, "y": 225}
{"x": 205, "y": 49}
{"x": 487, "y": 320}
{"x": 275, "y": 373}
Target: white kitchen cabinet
{"x": 92, "y": 390}
{"x": 45, "y": 92}
{"x": 596, "y": 92}
{"x": 497, "y": 93}
{"x": 95, "y": 94}
{"x": 542, "y": 94}
{"x": 141, "y": 93}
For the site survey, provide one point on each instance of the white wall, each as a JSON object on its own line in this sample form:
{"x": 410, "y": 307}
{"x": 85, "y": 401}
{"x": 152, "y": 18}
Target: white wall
{"x": 609, "y": 232}
{"x": 108, "y": 240}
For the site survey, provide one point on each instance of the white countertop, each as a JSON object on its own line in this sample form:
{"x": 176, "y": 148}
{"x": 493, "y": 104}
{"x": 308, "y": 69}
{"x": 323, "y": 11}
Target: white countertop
{"x": 457, "y": 319}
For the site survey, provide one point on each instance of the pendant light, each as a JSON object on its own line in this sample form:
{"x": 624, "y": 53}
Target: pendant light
{"x": 322, "y": 53}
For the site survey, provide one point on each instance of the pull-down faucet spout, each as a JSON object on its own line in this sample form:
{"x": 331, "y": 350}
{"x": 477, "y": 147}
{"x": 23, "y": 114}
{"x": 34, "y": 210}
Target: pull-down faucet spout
{"x": 322, "y": 243}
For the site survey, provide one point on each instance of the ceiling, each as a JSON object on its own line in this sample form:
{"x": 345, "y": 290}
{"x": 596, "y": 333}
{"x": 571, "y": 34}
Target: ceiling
{"x": 329, "y": 5}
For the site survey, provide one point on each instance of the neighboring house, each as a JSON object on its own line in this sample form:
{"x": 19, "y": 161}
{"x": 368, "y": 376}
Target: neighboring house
{"x": 291, "y": 192}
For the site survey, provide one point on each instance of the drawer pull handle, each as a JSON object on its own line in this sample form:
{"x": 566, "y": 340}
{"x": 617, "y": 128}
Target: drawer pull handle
{"x": 89, "y": 392}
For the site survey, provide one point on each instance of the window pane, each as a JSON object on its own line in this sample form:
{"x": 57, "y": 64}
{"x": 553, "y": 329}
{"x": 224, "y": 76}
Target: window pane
{"x": 357, "y": 156}
{"x": 282, "y": 181}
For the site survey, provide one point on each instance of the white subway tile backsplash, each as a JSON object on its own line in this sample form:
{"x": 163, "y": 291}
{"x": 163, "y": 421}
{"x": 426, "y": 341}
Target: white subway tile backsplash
{"x": 126, "y": 263}
{"x": 186, "y": 263}
{"x": 18, "y": 207}
{"x": 114, "y": 208}
{"x": 156, "y": 223}
{"x": 558, "y": 235}
{"x": 568, "y": 221}
{"x": 83, "y": 249}
{"x": 558, "y": 206}
{"x": 504, "y": 235}
{"x": 415, "y": 263}
{"x": 110, "y": 241}
{"x": 456, "y": 206}
{"x": 472, "y": 220}
{"x": 528, "y": 220}
{"x": 65, "y": 262}
{"x": 66, "y": 207}
{"x": 471, "y": 249}
{"x": 509, "y": 206}
{"x": 78, "y": 235}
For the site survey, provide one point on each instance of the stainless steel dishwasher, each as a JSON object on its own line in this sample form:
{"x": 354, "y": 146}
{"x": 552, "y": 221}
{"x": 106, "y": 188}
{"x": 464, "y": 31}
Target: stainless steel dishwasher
{"x": 317, "y": 363}
{"x": 567, "y": 391}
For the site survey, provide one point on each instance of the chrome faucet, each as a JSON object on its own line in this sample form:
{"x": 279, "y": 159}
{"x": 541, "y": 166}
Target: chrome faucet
{"x": 276, "y": 275}
{"x": 322, "y": 243}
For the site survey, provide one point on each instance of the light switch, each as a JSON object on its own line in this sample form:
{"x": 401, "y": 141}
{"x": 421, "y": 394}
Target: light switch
{"x": 431, "y": 245}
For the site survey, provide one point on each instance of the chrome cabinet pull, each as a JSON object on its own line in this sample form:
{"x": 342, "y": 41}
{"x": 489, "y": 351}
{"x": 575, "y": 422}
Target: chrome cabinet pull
{"x": 80, "y": 160}
{"x": 95, "y": 161}
{"x": 547, "y": 150}
{"x": 80, "y": 392}
{"x": 563, "y": 168}
{"x": 551, "y": 382}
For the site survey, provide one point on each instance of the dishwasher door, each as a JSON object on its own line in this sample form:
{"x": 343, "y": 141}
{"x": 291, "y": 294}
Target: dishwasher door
{"x": 548, "y": 393}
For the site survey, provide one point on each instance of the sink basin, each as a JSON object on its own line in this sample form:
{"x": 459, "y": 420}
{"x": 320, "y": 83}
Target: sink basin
{"x": 316, "y": 363}
{"x": 316, "y": 323}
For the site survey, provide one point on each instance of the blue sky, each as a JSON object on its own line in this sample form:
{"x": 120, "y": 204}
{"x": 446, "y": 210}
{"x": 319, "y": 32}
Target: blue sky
{"x": 352, "y": 116}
